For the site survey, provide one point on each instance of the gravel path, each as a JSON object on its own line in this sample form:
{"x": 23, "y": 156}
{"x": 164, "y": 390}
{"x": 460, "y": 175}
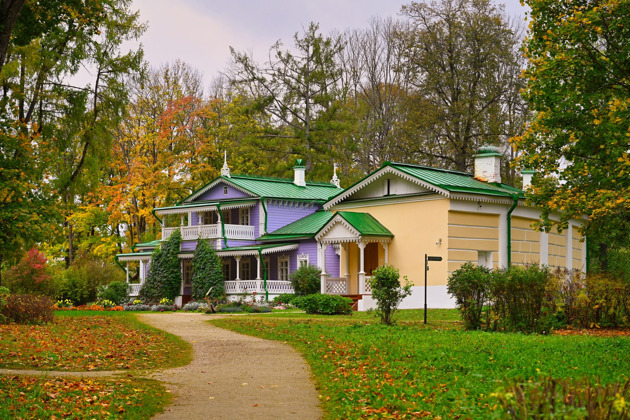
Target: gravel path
{"x": 233, "y": 376}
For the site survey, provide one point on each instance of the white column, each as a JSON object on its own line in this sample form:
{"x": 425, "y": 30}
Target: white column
{"x": 569, "y": 250}
{"x": 258, "y": 267}
{"x": 544, "y": 248}
{"x": 141, "y": 273}
{"x": 361, "y": 245}
{"x": 321, "y": 261}
{"x": 127, "y": 274}
{"x": 386, "y": 249}
{"x": 181, "y": 220}
{"x": 347, "y": 265}
{"x": 238, "y": 267}
{"x": 219, "y": 232}
{"x": 189, "y": 218}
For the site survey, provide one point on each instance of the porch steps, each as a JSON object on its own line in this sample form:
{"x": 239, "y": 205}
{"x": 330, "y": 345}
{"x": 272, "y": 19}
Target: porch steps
{"x": 355, "y": 301}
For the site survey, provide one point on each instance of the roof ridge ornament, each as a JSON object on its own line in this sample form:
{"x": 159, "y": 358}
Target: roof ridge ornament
{"x": 335, "y": 179}
{"x": 225, "y": 171}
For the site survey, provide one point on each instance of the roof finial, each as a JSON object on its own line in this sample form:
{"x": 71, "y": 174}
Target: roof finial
{"x": 225, "y": 171}
{"x": 335, "y": 179}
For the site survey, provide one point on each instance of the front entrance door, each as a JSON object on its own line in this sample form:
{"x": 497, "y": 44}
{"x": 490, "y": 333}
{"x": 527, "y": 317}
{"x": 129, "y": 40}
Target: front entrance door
{"x": 371, "y": 258}
{"x": 186, "y": 280}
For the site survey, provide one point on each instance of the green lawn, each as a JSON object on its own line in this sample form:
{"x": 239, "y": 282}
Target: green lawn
{"x": 364, "y": 369}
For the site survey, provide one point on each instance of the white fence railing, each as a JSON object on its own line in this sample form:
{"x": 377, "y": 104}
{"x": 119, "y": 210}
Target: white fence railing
{"x": 336, "y": 286}
{"x": 135, "y": 289}
{"x": 258, "y": 286}
{"x": 211, "y": 232}
{"x": 239, "y": 232}
{"x": 365, "y": 287}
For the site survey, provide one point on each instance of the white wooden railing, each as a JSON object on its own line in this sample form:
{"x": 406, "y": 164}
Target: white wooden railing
{"x": 135, "y": 289}
{"x": 258, "y": 286}
{"x": 365, "y": 287}
{"x": 336, "y": 286}
{"x": 211, "y": 232}
{"x": 239, "y": 232}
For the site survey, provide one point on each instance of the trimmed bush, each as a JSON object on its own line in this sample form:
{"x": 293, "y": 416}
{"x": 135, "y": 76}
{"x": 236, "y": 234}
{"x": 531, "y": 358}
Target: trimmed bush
{"x": 546, "y": 398}
{"x": 388, "y": 292}
{"x": 285, "y": 299}
{"x": 324, "y": 304}
{"x": 117, "y": 292}
{"x": 29, "y": 309}
{"x": 306, "y": 280}
{"x": 470, "y": 286}
{"x": 80, "y": 282}
{"x": 206, "y": 272}
{"x": 165, "y": 277}
{"x": 138, "y": 307}
{"x": 195, "y": 306}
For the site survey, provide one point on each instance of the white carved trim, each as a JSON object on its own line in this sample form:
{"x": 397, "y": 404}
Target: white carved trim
{"x": 134, "y": 257}
{"x": 377, "y": 175}
{"x": 213, "y": 184}
{"x": 336, "y": 219}
{"x": 388, "y": 201}
{"x": 290, "y": 203}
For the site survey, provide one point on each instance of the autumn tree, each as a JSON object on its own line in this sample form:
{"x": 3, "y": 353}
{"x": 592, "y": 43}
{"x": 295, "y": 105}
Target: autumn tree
{"x": 578, "y": 142}
{"x": 464, "y": 59}
{"x": 298, "y": 89}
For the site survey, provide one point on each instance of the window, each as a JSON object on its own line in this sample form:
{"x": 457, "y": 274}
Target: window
{"x": 205, "y": 218}
{"x": 187, "y": 272}
{"x": 302, "y": 260}
{"x": 225, "y": 190}
{"x": 246, "y": 273}
{"x": 226, "y": 215}
{"x": 243, "y": 217}
{"x": 283, "y": 268}
{"x": 227, "y": 270}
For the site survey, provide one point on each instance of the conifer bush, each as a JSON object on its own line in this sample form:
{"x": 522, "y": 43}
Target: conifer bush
{"x": 165, "y": 277}
{"x": 206, "y": 272}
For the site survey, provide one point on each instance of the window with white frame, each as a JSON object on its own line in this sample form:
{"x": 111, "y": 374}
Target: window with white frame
{"x": 267, "y": 266}
{"x": 205, "y": 218}
{"x": 187, "y": 272}
{"x": 225, "y": 190}
{"x": 243, "y": 217}
{"x": 246, "y": 273}
{"x": 302, "y": 260}
{"x": 226, "y": 215}
{"x": 283, "y": 267}
{"x": 227, "y": 270}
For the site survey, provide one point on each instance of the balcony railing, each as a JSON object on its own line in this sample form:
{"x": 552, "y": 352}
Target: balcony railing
{"x": 258, "y": 286}
{"x": 337, "y": 286}
{"x": 211, "y": 232}
{"x": 135, "y": 289}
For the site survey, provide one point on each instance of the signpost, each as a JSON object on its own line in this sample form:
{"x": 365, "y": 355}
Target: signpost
{"x": 427, "y": 258}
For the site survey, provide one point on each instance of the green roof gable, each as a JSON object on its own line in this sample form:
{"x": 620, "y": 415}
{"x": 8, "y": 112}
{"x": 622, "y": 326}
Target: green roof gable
{"x": 306, "y": 227}
{"x": 277, "y": 188}
{"x": 365, "y": 224}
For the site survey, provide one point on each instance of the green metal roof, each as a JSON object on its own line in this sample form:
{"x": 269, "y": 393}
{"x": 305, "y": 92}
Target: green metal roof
{"x": 151, "y": 244}
{"x": 135, "y": 254}
{"x": 275, "y": 188}
{"x": 208, "y": 204}
{"x": 365, "y": 224}
{"x": 254, "y": 247}
{"x": 455, "y": 181}
{"x": 306, "y": 227}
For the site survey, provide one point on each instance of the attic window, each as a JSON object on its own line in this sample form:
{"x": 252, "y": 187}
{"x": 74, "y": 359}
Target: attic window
{"x": 225, "y": 190}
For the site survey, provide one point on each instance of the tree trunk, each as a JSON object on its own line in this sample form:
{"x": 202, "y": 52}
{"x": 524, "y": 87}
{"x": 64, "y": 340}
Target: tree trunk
{"x": 9, "y": 13}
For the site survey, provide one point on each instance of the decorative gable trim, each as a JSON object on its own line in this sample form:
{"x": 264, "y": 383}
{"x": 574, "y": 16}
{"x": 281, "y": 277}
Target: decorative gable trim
{"x": 376, "y": 175}
{"x": 213, "y": 184}
{"x": 291, "y": 203}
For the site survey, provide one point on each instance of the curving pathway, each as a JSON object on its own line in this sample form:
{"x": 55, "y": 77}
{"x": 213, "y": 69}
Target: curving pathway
{"x": 233, "y": 376}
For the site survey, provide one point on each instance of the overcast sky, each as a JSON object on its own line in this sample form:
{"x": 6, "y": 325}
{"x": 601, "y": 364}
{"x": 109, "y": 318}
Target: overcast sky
{"x": 200, "y": 32}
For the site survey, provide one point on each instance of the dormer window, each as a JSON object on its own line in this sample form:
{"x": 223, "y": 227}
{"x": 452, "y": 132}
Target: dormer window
{"x": 225, "y": 190}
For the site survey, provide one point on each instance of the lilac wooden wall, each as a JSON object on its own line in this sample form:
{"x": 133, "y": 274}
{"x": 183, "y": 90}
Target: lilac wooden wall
{"x": 216, "y": 193}
{"x": 282, "y": 215}
{"x": 332, "y": 262}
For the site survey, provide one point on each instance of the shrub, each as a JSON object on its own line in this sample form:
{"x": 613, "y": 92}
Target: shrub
{"x": 388, "y": 292}
{"x": 195, "y": 306}
{"x": 165, "y": 277}
{"x": 285, "y": 298}
{"x": 117, "y": 292}
{"x": 80, "y": 283}
{"x": 324, "y": 304}
{"x": 137, "y": 307}
{"x": 4, "y": 294}
{"x": 470, "y": 286}
{"x": 163, "y": 308}
{"x": 31, "y": 275}
{"x": 306, "y": 280}
{"x": 29, "y": 309}
{"x": 524, "y": 298}
{"x": 207, "y": 274}
{"x": 564, "y": 398}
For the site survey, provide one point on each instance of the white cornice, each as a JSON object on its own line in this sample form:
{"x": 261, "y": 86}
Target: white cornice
{"x": 332, "y": 222}
{"x": 387, "y": 201}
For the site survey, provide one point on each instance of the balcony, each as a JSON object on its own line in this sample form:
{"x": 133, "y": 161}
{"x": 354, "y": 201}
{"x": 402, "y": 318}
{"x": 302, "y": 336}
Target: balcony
{"x": 211, "y": 232}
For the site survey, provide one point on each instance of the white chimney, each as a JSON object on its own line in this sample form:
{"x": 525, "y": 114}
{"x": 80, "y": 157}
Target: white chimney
{"x": 299, "y": 173}
{"x": 488, "y": 164}
{"x": 528, "y": 174}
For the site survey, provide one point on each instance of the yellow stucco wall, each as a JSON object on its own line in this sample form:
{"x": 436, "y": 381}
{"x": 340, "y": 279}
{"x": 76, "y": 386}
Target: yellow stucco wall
{"x": 525, "y": 242}
{"x": 417, "y": 227}
{"x": 557, "y": 248}
{"x": 578, "y": 250}
{"x": 469, "y": 233}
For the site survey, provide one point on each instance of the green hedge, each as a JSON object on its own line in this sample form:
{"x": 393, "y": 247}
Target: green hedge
{"x": 324, "y": 304}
